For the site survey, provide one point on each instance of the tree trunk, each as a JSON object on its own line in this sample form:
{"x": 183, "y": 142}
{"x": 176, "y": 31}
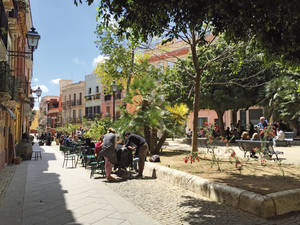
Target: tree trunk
{"x": 161, "y": 142}
{"x": 196, "y": 98}
{"x": 147, "y": 135}
{"x": 153, "y": 139}
{"x": 221, "y": 123}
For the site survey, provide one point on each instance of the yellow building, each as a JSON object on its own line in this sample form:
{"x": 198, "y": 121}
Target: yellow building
{"x": 35, "y": 123}
{"x": 15, "y": 76}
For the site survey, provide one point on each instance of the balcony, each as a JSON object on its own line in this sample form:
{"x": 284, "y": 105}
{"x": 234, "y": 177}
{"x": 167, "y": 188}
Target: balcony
{"x": 3, "y": 25}
{"x": 68, "y": 103}
{"x": 107, "y": 97}
{"x": 97, "y": 96}
{"x": 79, "y": 102}
{"x": 88, "y": 98}
{"x": 64, "y": 105}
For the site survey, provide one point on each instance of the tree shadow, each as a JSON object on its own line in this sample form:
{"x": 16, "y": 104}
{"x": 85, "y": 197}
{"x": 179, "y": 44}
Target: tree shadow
{"x": 202, "y": 212}
{"x": 271, "y": 183}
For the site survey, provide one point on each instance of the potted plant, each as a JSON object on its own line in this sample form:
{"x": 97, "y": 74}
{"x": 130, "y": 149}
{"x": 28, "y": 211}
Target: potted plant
{"x": 17, "y": 160}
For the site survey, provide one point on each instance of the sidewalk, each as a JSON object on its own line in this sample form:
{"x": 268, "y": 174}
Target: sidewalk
{"x": 43, "y": 193}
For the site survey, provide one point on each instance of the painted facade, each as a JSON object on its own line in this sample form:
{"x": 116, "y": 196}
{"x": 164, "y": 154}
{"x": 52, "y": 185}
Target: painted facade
{"x": 50, "y": 113}
{"x": 73, "y": 101}
{"x": 92, "y": 96}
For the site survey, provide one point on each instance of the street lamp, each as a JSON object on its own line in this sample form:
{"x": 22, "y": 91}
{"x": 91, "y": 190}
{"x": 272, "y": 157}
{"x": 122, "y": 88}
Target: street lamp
{"x": 33, "y": 38}
{"x": 38, "y": 92}
{"x": 114, "y": 88}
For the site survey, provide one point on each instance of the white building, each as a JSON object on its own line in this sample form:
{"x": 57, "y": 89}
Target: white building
{"x": 92, "y": 96}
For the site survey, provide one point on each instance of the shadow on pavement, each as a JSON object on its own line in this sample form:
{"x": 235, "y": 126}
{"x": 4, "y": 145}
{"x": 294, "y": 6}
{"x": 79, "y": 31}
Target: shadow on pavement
{"x": 44, "y": 200}
{"x": 203, "y": 212}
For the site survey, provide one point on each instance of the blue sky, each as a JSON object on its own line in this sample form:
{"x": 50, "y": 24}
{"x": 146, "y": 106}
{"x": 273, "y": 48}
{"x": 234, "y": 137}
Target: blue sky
{"x": 66, "y": 49}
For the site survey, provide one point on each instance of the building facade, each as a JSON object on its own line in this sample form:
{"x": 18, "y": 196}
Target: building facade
{"x": 73, "y": 101}
{"x": 93, "y": 96}
{"x": 107, "y": 103}
{"x": 15, "y": 76}
{"x": 50, "y": 113}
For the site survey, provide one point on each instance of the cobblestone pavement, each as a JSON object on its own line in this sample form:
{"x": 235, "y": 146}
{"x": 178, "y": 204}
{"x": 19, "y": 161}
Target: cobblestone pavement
{"x": 6, "y": 175}
{"x": 174, "y": 206}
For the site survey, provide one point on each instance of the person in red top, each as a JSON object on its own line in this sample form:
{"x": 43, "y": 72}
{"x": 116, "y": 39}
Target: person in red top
{"x": 98, "y": 145}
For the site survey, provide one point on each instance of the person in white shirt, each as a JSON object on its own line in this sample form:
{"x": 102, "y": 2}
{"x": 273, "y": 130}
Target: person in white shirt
{"x": 280, "y": 136}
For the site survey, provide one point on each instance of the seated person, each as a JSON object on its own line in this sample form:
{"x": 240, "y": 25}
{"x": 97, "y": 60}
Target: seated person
{"x": 68, "y": 141}
{"x": 280, "y": 136}
{"x": 255, "y": 137}
{"x": 189, "y": 133}
{"x": 245, "y": 136}
{"x": 98, "y": 145}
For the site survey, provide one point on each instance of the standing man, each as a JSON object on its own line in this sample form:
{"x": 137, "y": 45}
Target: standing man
{"x": 134, "y": 141}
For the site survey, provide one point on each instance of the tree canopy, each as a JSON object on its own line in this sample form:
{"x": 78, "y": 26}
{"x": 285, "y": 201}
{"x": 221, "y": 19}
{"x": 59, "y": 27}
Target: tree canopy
{"x": 273, "y": 24}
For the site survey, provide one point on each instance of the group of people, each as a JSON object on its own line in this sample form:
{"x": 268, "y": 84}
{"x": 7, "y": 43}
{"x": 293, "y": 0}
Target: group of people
{"x": 45, "y": 137}
{"x": 106, "y": 147}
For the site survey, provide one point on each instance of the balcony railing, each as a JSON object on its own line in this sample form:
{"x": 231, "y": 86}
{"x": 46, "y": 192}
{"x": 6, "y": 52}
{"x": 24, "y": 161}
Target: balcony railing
{"x": 5, "y": 78}
{"x": 88, "y": 97}
{"x": 79, "y": 102}
{"x": 107, "y": 97}
{"x": 3, "y": 24}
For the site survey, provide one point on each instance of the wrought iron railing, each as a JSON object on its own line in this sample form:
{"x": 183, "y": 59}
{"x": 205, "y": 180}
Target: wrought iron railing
{"x": 5, "y": 77}
{"x": 3, "y": 24}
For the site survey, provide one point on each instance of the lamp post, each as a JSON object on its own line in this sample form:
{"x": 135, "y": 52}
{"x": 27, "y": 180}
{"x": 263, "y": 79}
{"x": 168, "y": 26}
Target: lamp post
{"x": 32, "y": 40}
{"x": 114, "y": 88}
{"x": 38, "y": 93}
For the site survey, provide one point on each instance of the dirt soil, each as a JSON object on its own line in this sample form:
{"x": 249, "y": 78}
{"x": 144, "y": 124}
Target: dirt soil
{"x": 253, "y": 176}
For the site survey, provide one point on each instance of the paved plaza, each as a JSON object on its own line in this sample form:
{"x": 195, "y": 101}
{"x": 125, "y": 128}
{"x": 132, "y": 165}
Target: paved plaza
{"x": 41, "y": 192}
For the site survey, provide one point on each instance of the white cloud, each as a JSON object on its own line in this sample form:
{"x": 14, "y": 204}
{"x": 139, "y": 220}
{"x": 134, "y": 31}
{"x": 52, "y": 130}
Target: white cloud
{"x": 99, "y": 59}
{"x": 78, "y": 61}
{"x": 55, "y": 81}
{"x": 35, "y": 80}
{"x": 43, "y": 87}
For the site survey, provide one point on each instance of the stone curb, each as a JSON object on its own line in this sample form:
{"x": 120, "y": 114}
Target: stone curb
{"x": 265, "y": 206}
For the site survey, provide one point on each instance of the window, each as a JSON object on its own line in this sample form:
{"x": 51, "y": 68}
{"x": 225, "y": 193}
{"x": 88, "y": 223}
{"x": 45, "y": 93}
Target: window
{"x": 98, "y": 109}
{"x": 74, "y": 100}
{"x": 170, "y": 65}
{"x": 74, "y": 114}
{"x": 80, "y": 99}
{"x": 86, "y": 111}
{"x": 254, "y": 115}
{"x": 201, "y": 121}
{"x": 79, "y": 113}
{"x": 90, "y": 90}
{"x": 97, "y": 89}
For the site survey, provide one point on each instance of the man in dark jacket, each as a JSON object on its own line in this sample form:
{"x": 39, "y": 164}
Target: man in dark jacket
{"x": 138, "y": 143}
